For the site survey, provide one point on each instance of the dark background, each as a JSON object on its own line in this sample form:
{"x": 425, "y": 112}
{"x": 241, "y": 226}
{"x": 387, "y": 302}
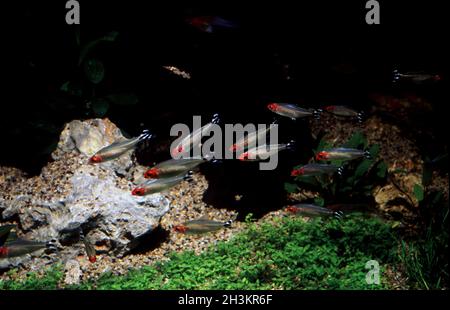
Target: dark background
{"x": 234, "y": 72}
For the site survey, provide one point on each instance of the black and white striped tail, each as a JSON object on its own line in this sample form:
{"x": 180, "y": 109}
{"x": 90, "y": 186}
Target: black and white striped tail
{"x": 52, "y": 245}
{"x": 145, "y": 135}
{"x": 317, "y": 113}
{"x": 367, "y": 155}
{"x": 188, "y": 176}
{"x": 230, "y": 221}
{"x": 215, "y": 119}
{"x": 290, "y": 145}
{"x": 395, "y": 76}
{"x": 340, "y": 170}
{"x": 361, "y": 115}
{"x": 338, "y": 214}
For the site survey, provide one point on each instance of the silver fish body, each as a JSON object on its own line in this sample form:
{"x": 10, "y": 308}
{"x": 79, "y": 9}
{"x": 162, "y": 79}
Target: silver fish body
{"x": 192, "y": 140}
{"x": 312, "y": 210}
{"x": 173, "y": 167}
{"x": 252, "y": 138}
{"x": 90, "y": 249}
{"x": 119, "y": 148}
{"x": 159, "y": 185}
{"x": 291, "y": 110}
{"x": 264, "y": 151}
{"x": 316, "y": 169}
{"x": 203, "y": 225}
{"x": 340, "y": 110}
{"x": 342, "y": 153}
{"x": 21, "y": 247}
{"x": 415, "y": 77}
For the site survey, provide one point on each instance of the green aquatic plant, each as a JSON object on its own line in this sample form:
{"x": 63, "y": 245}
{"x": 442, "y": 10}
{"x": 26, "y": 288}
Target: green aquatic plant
{"x": 426, "y": 258}
{"x": 48, "y": 281}
{"x": 83, "y": 88}
{"x": 358, "y": 177}
{"x": 288, "y": 253}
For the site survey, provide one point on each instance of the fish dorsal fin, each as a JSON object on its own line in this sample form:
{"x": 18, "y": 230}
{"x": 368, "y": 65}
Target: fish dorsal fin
{"x": 203, "y": 218}
{"x": 7, "y": 233}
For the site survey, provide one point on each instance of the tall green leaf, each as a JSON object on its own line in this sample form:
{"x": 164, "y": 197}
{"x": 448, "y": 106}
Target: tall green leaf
{"x": 100, "y": 107}
{"x": 290, "y": 188}
{"x": 418, "y": 192}
{"x": 95, "y": 71}
{"x": 110, "y": 37}
{"x": 356, "y": 140}
{"x": 123, "y": 99}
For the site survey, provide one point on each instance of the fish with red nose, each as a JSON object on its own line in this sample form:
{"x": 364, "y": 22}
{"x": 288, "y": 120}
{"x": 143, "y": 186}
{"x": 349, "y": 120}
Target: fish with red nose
{"x": 118, "y": 148}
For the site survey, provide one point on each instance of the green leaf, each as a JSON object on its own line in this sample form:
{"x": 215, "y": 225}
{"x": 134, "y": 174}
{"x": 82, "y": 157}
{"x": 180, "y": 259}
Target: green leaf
{"x": 77, "y": 35}
{"x": 323, "y": 144}
{"x": 374, "y": 151}
{"x": 100, "y": 107}
{"x": 307, "y": 180}
{"x": 65, "y": 86}
{"x": 438, "y": 197}
{"x": 427, "y": 175}
{"x": 123, "y": 99}
{"x": 110, "y": 37}
{"x": 381, "y": 170}
{"x": 418, "y": 192}
{"x": 362, "y": 168}
{"x": 72, "y": 89}
{"x": 346, "y": 189}
{"x": 290, "y": 188}
{"x": 356, "y": 140}
{"x": 95, "y": 71}
{"x": 319, "y": 201}
{"x": 333, "y": 189}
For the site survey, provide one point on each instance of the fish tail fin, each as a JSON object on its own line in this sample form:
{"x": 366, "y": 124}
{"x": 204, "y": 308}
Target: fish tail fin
{"x": 210, "y": 157}
{"x": 215, "y": 119}
{"x": 291, "y": 145}
{"x": 145, "y": 135}
{"x": 367, "y": 154}
{"x": 188, "y": 176}
{"x": 225, "y": 23}
{"x": 52, "y": 245}
{"x": 230, "y": 221}
{"x": 317, "y": 113}
{"x": 338, "y": 215}
{"x": 395, "y": 76}
{"x": 361, "y": 115}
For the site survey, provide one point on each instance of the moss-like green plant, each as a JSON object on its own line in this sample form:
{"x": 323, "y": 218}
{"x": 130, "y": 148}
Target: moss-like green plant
{"x": 287, "y": 254}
